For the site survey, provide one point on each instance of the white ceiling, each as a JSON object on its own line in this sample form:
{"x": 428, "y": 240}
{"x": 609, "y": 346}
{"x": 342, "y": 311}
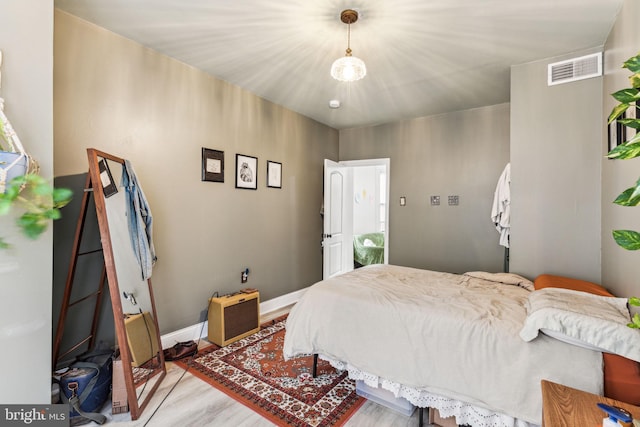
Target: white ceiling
{"x": 423, "y": 57}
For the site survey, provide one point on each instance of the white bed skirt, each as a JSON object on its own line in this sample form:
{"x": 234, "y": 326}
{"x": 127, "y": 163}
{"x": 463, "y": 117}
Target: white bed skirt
{"x": 463, "y": 412}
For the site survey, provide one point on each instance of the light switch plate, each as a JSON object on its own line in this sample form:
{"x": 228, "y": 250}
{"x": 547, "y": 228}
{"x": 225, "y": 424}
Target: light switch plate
{"x": 435, "y": 200}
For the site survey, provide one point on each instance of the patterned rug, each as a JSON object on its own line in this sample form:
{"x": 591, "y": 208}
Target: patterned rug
{"x": 253, "y": 372}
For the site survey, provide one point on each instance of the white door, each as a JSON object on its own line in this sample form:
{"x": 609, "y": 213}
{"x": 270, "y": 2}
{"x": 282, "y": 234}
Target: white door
{"x": 337, "y": 238}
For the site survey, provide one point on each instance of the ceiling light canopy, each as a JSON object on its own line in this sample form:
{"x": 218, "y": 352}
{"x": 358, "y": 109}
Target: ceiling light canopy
{"x": 348, "y": 68}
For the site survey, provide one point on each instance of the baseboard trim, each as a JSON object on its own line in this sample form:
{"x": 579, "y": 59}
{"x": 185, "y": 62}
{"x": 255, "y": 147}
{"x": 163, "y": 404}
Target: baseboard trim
{"x": 200, "y": 330}
{"x": 280, "y": 302}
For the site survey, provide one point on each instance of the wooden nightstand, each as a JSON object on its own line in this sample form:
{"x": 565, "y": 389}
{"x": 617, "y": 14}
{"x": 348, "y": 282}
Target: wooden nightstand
{"x": 564, "y": 406}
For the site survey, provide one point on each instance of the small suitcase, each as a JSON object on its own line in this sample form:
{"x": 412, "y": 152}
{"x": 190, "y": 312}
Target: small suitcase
{"x": 86, "y": 386}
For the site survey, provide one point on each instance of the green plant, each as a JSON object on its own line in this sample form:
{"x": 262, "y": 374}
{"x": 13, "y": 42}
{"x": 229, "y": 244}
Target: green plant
{"x": 630, "y": 149}
{"x": 40, "y": 200}
{"x": 635, "y": 321}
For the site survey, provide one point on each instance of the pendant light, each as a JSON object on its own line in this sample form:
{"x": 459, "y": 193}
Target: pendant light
{"x": 348, "y": 68}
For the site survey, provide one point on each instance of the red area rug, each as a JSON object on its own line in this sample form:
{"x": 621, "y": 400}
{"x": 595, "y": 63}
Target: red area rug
{"x": 253, "y": 372}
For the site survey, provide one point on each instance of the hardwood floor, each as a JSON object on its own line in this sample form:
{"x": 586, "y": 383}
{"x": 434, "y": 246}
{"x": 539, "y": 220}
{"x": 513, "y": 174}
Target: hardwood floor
{"x": 195, "y": 403}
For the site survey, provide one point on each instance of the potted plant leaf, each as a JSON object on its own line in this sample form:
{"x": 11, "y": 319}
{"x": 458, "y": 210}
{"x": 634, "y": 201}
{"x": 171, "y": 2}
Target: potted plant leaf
{"x": 40, "y": 201}
{"x": 21, "y": 186}
{"x": 628, "y": 98}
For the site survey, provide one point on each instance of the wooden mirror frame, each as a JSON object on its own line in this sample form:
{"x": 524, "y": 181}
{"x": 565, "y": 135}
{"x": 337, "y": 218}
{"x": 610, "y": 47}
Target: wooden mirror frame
{"x": 135, "y": 407}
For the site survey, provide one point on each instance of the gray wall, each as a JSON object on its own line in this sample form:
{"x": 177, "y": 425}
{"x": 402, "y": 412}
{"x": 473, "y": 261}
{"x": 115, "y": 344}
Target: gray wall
{"x": 461, "y": 153}
{"x": 26, "y": 39}
{"x": 620, "y": 268}
{"x": 120, "y": 97}
{"x": 555, "y": 173}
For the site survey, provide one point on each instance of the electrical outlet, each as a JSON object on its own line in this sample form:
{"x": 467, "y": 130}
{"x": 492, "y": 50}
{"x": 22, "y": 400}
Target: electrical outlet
{"x": 454, "y": 200}
{"x": 435, "y": 200}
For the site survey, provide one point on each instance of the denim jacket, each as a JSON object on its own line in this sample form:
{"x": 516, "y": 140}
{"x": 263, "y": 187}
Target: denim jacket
{"x": 140, "y": 221}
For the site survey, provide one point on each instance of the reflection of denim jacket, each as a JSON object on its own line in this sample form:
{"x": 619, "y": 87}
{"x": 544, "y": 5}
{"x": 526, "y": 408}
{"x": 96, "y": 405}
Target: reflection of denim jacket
{"x": 140, "y": 221}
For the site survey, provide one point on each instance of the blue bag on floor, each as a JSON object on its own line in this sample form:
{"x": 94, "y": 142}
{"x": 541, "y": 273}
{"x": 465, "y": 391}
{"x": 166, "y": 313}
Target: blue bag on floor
{"x": 86, "y": 386}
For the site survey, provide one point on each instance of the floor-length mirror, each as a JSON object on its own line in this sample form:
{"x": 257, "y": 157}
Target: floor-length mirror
{"x": 134, "y": 311}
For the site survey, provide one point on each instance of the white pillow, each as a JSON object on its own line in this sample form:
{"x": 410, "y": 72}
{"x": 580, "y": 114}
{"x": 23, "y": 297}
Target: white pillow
{"x": 594, "y": 321}
{"x": 561, "y": 336}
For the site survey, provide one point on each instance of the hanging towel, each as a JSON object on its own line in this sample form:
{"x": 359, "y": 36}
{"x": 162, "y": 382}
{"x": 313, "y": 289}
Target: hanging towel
{"x": 501, "y": 209}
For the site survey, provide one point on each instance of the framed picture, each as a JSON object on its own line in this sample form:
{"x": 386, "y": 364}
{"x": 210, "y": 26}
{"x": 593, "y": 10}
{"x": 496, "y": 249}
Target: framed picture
{"x": 617, "y": 133}
{"x": 246, "y": 172}
{"x": 108, "y": 184}
{"x": 631, "y": 113}
{"x": 274, "y": 174}
{"x": 212, "y": 165}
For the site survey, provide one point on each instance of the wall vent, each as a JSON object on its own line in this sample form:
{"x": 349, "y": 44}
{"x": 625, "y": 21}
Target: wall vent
{"x": 574, "y": 69}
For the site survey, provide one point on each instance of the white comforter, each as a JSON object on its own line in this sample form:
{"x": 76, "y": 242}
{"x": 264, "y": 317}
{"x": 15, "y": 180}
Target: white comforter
{"x": 452, "y": 335}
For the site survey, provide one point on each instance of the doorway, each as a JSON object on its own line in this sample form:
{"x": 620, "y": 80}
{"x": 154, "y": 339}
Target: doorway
{"x": 355, "y": 205}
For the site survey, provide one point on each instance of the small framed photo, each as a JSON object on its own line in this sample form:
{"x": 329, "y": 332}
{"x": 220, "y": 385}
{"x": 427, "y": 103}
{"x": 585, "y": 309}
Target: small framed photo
{"x": 108, "y": 184}
{"x": 631, "y": 113}
{"x": 274, "y": 174}
{"x": 617, "y": 133}
{"x": 246, "y": 172}
{"x": 212, "y": 165}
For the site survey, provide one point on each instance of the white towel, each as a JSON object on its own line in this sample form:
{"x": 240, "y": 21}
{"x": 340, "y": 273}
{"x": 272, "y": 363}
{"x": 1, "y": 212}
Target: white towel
{"x": 501, "y": 209}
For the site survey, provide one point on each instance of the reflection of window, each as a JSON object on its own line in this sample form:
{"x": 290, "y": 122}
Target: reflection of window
{"x": 382, "y": 191}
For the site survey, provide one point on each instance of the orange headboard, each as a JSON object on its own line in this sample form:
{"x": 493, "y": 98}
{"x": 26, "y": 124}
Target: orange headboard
{"x": 550, "y": 281}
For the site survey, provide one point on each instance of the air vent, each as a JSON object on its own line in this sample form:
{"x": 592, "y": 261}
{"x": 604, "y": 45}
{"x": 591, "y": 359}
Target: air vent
{"x": 574, "y": 69}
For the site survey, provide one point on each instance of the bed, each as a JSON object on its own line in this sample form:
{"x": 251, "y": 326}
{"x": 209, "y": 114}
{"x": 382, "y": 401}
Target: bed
{"x": 445, "y": 341}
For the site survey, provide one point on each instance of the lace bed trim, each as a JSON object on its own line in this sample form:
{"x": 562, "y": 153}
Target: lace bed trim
{"x": 462, "y": 411}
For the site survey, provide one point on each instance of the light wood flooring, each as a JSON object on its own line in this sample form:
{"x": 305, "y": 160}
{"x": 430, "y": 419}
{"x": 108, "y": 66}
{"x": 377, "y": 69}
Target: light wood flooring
{"x": 195, "y": 403}
{"x": 185, "y": 400}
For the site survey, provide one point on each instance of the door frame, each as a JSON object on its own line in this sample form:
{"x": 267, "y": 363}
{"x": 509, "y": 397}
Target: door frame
{"x": 386, "y": 162}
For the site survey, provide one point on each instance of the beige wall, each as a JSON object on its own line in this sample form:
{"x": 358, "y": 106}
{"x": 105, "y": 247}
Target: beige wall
{"x": 26, "y": 40}
{"x": 461, "y": 153}
{"x": 120, "y": 97}
{"x": 555, "y": 175}
{"x": 620, "y": 268}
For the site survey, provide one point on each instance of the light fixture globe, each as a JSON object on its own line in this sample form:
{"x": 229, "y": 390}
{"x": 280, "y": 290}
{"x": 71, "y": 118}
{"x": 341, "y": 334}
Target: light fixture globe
{"x": 348, "y": 68}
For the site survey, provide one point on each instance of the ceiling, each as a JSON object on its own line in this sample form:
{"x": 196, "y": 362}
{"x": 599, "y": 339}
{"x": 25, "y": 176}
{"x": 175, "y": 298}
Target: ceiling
{"x": 423, "y": 57}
